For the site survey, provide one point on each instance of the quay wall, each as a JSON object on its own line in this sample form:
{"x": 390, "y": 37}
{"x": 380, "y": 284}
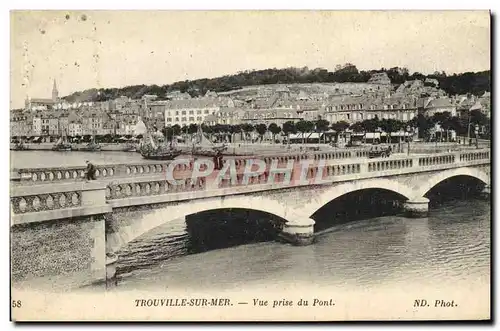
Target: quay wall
{"x": 48, "y": 146}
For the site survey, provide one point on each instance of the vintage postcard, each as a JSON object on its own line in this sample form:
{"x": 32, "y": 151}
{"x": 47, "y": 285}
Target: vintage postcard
{"x": 250, "y": 165}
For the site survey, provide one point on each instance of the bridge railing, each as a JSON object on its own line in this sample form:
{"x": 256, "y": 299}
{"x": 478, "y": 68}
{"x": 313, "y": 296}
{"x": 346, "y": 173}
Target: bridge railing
{"x": 67, "y": 198}
{"x": 71, "y": 174}
{"x": 74, "y": 173}
{"x": 47, "y": 202}
{"x": 333, "y": 171}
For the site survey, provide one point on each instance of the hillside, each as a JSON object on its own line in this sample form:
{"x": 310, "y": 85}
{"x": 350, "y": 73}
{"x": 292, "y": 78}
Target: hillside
{"x": 469, "y": 82}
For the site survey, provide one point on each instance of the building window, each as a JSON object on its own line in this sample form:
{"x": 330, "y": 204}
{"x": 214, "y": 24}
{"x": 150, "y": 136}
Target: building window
{"x": 183, "y": 112}
{"x": 191, "y": 112}
{"x": 199, "y": 118}
{"x": 207, "y": 111}
{"x": 198, "y": 112}
{"x": 183, "y": 119}
{"x": 169, "y": 119}
{"x": 177, "y": 113}
{"x": 191, "y": 119}
{"x": 177, "y": 119}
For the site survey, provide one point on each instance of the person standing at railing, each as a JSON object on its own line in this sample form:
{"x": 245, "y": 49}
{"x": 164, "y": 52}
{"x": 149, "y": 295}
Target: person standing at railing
{"x": 90, "y": 174}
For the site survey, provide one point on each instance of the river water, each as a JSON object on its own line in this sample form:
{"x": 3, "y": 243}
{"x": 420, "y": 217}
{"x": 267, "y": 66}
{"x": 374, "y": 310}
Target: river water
{"x": 42, "y": 159}
{"x": 451, "y": 245}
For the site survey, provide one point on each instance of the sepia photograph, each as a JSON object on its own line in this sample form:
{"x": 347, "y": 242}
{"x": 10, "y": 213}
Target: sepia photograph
{"x": 246, "y": 165}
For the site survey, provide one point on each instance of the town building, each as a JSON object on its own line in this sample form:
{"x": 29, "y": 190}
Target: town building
{"x": 191, "y": 111}
{"x": 43, "y": 103}
{"x": 268, "y": 116}
{"x": 354, "y": 109}
{"x": 18, "y": 124}
{"x": 440, "y": 105}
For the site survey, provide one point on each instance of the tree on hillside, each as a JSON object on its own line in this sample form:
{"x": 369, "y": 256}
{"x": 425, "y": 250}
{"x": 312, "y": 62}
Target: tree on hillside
{"x": 470, "y": 82}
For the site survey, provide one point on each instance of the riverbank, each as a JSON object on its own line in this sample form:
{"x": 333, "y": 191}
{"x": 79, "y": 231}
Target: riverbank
{"x": 48, "y": 147}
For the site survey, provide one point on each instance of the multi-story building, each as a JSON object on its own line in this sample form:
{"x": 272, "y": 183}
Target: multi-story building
{"x": 440, "y": 105}
{"x": 178, "y": 95}
{"x": 268, "y": 116}
{"x": 37, "y": 125}
{"x": 96, "y": 123}
{"x": 46, "y": 123}
{"x": 75, "y": 128}
{"x": 52, "y": 124}
{"x": 19, "y": 124}
{"x": 356, "y": 109}
{"x": 125, "y": 124}
{"x": 193, "y": 111}
{"x": 229, "y": 115}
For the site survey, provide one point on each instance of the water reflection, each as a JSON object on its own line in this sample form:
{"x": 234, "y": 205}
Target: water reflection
{"x": 233, "y": 248}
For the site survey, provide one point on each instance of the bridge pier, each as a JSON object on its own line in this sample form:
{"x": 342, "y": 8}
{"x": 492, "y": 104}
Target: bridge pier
{"x": 416, "y": 208}
{"x": 298, "y": 233}
{"x": 486, "y": 192}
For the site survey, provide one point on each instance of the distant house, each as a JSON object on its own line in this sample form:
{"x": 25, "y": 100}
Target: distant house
{"x": 432, "y": 81}
{"x": 380, "y": 78}
{"x": 440, "y": 105}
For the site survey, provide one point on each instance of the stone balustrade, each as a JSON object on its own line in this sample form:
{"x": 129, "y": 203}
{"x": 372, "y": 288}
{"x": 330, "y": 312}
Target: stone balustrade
{"x": 75, "y": 173}
{"x": 381, "y": 165}
{"x": 47, "y": 202}
{"x": 476, "y": 155}
{"x": 68, "y": 174}
{"x": 28, "y": 200}
{"x": 331, "y": 171}
{"x": 436, "y": 160}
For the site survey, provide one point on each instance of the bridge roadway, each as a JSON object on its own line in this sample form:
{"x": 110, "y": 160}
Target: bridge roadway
{"x": 291, "y": 187}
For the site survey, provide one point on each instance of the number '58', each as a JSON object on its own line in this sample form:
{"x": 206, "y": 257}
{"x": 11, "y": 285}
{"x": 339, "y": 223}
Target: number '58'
{"x": 16, "y": 303}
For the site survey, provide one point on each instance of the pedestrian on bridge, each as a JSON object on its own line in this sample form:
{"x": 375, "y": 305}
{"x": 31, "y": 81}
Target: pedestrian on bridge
{"x": 90, "y": 174}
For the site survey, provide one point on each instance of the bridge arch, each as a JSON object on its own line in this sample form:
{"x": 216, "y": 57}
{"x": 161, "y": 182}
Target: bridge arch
{"x": 339, "y": 190}
{"x": 125, "y": 232}
{"x": 445, "y": 174}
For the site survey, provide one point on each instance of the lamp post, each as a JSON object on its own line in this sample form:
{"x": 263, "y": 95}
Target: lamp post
{"x": 476, "y": 132}
{"x": 468, "y": 132}
{"x": 408, "y": 138}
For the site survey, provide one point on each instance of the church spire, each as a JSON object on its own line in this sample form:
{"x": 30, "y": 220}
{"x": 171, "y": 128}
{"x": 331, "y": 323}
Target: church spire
{"x": 55, "y": 93}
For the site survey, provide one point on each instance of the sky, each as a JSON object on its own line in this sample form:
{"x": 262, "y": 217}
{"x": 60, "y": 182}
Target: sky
{"x": 102, "y": 49}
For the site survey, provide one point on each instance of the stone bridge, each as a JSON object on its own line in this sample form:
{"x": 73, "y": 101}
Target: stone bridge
{"x": 76, "y": 227}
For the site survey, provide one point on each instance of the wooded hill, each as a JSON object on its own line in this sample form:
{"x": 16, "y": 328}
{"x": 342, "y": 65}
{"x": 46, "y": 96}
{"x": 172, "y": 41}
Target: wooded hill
{"x": 469, "y": 82}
